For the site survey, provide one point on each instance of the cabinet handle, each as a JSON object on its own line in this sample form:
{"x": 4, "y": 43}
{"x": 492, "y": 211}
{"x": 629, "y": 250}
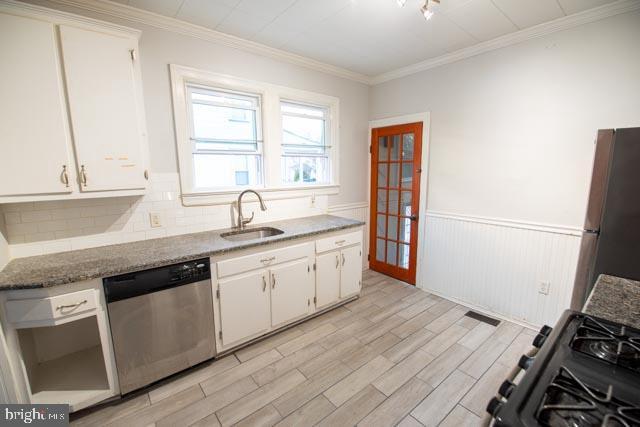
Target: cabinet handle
{"x": 267, "y": 260}
{"x": 65, "y": 176}
{"x": 342, "y": 259}
{"x": 83, "y": 176}
{"x": 337, "y": 261}
{"x": 340, "y": 242}
{"x": 264, "y": 284}
{"x": 76, "y": 305}
{"x": 273, "y": 281}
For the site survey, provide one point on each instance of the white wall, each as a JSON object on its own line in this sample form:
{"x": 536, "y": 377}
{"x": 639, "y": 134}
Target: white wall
{"x": 35, "y": 228}
{"x": 511, "y": 147}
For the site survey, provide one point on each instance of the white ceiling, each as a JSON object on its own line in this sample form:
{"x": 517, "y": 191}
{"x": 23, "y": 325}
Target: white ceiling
{"x": 366, "y": 36}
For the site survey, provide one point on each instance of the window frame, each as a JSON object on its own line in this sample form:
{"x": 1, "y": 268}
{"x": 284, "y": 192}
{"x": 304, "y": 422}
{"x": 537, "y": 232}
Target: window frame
{"x": 270, "y": 96}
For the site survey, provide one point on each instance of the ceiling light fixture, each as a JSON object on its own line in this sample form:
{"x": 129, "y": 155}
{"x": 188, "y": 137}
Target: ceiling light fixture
{"x": 401, "y": 2}
{"x": 426, "y": 11}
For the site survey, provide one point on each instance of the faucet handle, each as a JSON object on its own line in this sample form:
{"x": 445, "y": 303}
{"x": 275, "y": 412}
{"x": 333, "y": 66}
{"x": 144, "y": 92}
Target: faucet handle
{"x": 247, "y": 221}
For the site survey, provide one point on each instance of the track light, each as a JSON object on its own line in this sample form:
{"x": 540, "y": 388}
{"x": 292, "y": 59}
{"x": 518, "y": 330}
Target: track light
{"x": 401, "y": 2}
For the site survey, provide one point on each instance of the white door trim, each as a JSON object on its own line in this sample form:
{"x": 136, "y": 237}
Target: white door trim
{"x": 425, "y": 118}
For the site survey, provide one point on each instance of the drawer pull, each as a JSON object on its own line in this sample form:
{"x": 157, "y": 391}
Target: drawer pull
{"x": 340, "y": 242}
{"x": 71, "y": 306}
{"x": 267, "y": 260}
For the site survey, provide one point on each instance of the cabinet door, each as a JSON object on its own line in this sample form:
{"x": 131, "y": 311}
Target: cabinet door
{"x": 244, "y": 306}
{"x": 35, "y": 137}
{"x": 327, "y": 278}
{"x": 105, "y": 115}
{"x": 351, "y": 271}
{"x": 291, "y": 291}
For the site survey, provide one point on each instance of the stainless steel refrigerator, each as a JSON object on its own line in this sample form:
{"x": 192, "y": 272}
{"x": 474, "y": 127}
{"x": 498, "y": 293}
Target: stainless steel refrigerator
{"x": 611, "y": 235}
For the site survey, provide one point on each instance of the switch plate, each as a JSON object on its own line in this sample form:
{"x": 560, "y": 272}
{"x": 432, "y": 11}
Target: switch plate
{"x": 544, "y": 288}
{"x": 154, "y": 219}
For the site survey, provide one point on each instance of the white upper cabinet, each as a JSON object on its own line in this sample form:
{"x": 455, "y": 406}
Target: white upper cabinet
{"x": 107, "y": 132}
{"x": 71, "y": 107}
{"x": 34, "y": 152}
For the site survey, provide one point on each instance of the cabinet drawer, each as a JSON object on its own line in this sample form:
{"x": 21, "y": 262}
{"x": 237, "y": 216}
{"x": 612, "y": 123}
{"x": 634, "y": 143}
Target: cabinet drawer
{"x": 337, "y": 242}
{"x": 263, "y": 259}
{"x": 51, "y": 308}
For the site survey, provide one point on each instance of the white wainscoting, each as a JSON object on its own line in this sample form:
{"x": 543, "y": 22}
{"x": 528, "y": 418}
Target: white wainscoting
{"x": 498, "y": 265}
{"x": 358, "y": 211}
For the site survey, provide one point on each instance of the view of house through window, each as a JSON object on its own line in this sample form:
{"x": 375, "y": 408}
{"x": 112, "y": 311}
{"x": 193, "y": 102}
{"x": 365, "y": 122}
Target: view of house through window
{"x": 226, "y": 138}
{"x": 305, "y": 152}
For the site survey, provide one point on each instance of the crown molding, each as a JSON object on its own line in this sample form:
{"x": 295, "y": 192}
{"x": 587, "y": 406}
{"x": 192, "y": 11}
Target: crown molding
{"x": 560, "y": 24}
{"x": 174, "y": 25}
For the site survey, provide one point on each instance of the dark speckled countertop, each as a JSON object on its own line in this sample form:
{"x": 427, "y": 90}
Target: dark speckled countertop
{"x": 74, "y": 266}
{"x": 616, "y": 299}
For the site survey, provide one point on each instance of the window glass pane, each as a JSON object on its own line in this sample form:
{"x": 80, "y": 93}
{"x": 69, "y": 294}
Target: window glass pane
{"x": 380, "y": 250}
{"x": 380, "y": 226}
{"x": 393, "y": 201}
{"x": 405, "y": 230}
{"x": 403, "y": 256}
{"x": 407, "y": 146}
{"x": 305, "y": 170}
{"x": 382, "y": 148}
{"x": 223, "y": 123}
{"x": 302, "y": 132}
{"x": 382, "y": 174}
{"x": 305, "y": 110}
{"x": 394, "y": 172}
{"x": 395, "y": 147}
{"x": 405, "y": 204}
{"x": 382, "y": 200}
{"x": 407, "y": 175}
{"x": 392, "y": 230}
{"x": 202, "y": 95}
{"x": 223, "y": 170}
{"x": 391, "y": 253}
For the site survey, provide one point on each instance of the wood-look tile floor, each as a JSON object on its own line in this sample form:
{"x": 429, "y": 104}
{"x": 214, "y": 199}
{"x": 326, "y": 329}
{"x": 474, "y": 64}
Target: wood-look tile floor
{"x": 396, "y": 356}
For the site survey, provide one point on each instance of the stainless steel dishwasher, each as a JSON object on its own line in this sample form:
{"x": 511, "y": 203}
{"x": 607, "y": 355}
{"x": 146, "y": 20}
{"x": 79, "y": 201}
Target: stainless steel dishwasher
{"x": 161, "y": 321}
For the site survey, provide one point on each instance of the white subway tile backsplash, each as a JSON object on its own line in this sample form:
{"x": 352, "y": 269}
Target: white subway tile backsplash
{"x": 35, "y": 216}
{"x": 12, "y": 218}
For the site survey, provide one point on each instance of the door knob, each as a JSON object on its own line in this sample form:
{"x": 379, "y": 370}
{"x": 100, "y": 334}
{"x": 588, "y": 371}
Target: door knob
{"x": 413, "y": 217}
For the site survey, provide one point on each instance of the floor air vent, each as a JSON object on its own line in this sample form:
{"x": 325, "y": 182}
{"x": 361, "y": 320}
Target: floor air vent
{"x": 481, "y": 317}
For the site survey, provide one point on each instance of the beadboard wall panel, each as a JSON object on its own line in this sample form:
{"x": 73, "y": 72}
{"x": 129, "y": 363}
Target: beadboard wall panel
{"x": 498, "y": 266}
{"x": 360, "y": 212}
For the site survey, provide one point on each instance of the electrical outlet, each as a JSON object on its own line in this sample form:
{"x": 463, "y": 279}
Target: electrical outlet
{"x": 544, "y": 288}
{"x": 154, "y": 219}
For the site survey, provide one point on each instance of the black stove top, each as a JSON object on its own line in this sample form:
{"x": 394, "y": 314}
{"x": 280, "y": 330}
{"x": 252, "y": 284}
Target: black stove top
{"x": 587, "y": 373}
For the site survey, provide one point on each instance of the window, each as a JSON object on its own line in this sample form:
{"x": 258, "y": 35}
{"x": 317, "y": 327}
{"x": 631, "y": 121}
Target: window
{"x": 226, "y": 138}
{"x": 233, "y": 133}
{"x": 305, "y": 152}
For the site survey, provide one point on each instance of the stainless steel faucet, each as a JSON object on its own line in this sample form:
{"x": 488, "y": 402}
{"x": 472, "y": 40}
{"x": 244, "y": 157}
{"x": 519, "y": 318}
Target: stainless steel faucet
{"x": 241, "y": 221}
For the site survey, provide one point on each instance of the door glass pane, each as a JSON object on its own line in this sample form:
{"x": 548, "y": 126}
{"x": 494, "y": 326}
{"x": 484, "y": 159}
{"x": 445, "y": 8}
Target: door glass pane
{"x": 380, "y": 225}
{"x": 392, "y": 231}
{"x": 394, "y": 175}
{"x": 407, "y": 175}
{"x": 393, "y": 201}
{"x": 382, "y": 148}
{"x": 391, "y": 253}
{"x": 405, "y": 204}
{"x": 407, "y": 146}
{"x": 382, "y": 200}
{"x": 403, "y": 256}
{"x": 405, "y": 230}
{"x": 380, "y": 250}
{"x": 382, "y": 174}
{"x": 395, "y": 147}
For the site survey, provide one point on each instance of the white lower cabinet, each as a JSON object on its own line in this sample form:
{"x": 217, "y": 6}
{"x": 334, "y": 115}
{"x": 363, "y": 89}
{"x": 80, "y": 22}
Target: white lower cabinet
{"x": 291, "y": 291}
{"x": 350, "y": 271}
{"x": 327, "y": 279}
{"x": 243, "y": 302}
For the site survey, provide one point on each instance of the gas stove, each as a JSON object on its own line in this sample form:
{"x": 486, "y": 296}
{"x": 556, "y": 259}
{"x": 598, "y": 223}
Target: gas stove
{"x": 586, "y": 373}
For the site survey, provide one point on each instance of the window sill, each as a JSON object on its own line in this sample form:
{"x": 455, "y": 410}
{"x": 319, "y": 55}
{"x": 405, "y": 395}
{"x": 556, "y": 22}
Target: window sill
{"x": 225, "y": 197}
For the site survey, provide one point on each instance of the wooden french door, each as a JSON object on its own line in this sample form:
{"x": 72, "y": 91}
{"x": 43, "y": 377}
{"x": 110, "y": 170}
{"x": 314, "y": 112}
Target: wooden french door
{"x": 396, "y": 153}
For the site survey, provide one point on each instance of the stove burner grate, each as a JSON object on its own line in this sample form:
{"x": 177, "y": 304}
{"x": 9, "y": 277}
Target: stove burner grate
{"x": 570, "y": 402}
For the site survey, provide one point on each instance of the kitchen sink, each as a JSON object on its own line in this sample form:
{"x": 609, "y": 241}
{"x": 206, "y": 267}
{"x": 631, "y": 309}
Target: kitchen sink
{"x": 251, "y": 234}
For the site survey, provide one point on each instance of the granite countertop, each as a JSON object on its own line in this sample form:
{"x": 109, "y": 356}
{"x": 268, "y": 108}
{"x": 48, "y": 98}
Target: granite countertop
{"x": 67, "y": 267}
{"x": 616, "y": 299}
